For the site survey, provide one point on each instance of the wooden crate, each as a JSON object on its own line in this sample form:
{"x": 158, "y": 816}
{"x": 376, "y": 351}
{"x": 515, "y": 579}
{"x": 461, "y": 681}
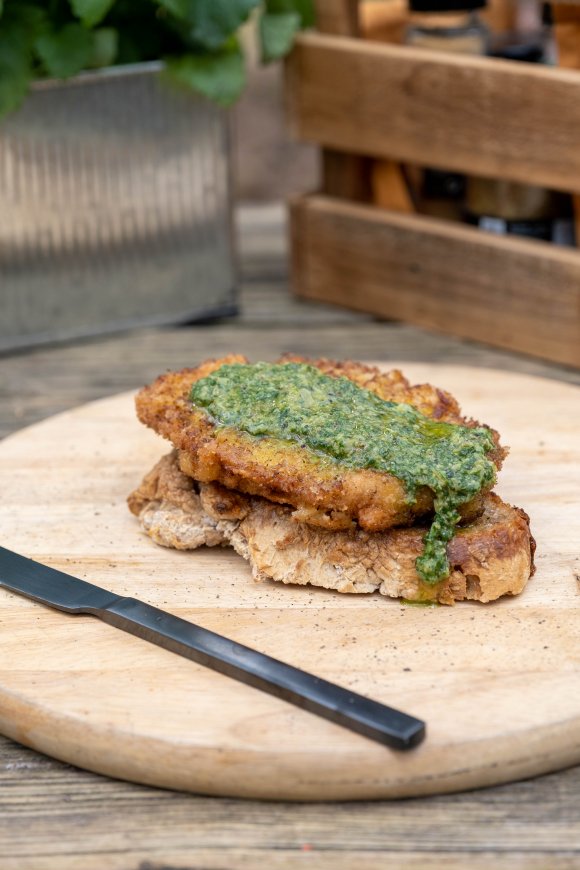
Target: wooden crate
{"x": 488, "y": 117}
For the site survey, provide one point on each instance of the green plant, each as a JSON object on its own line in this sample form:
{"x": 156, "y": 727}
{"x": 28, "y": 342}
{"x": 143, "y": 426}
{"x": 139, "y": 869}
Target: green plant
{"x": 197, "y": 39}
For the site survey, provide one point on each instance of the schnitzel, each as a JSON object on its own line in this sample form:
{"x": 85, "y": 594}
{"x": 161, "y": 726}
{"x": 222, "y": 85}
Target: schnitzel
{"x": 345, "y": 445}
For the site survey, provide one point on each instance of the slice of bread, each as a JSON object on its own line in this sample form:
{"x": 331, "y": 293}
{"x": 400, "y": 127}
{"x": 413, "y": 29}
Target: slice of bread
{"x": 490, "y": 557}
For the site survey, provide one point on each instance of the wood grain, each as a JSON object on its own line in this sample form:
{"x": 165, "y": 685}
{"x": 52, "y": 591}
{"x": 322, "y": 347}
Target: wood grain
{"x": 347, "y": 176}
{"x": 566, "y": 29}
{"x": 512, "y": 293}
{"x": 57, "y": 817}
{"x": 92, "y": 696}
{"x": 478, "y": 115}
{"x": 384, "y": 22}
{"x": 340, "y": 17}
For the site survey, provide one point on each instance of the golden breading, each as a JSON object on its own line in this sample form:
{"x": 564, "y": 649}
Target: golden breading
{"x": 323, "y": 494}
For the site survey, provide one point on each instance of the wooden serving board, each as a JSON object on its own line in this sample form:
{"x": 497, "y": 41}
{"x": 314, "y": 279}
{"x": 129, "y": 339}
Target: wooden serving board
{"x": 498, "y": 684}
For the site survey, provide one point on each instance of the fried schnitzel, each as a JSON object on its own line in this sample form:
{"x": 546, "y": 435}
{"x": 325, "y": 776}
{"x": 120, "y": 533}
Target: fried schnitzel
{"x": 304, "y": 420}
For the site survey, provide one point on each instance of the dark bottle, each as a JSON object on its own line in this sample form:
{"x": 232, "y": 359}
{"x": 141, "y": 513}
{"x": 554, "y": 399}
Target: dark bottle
{"x": 448, "y": 25}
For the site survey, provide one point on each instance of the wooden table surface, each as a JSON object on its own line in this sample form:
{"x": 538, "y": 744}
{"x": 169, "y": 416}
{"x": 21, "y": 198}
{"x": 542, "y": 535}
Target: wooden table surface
{"x": 55, "y": 816}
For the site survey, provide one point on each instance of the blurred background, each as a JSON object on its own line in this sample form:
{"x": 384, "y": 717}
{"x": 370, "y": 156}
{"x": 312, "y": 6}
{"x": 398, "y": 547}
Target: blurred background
{"x": 385, "y": 180}
{"x": 164, "y": 163}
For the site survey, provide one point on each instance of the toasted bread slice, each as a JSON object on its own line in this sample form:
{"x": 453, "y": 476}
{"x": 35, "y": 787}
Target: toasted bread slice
{"x": 490, "y": 557}
{"x": 324, "y": 494}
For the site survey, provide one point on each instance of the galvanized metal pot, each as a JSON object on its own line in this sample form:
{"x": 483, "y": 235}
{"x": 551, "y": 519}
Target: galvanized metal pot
{"x": 114, "y": 208}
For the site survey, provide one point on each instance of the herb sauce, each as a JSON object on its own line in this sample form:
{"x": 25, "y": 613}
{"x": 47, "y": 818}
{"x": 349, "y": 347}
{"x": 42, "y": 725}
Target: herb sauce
{"x": 355, "y": 428}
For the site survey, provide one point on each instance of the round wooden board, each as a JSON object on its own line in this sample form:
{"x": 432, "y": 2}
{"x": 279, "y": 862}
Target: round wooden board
{"x": 498, "y": 684}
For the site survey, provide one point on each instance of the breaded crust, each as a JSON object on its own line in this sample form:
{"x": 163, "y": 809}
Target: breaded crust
{"x": 491, "y": 557}
{"x": 323, "y": 493}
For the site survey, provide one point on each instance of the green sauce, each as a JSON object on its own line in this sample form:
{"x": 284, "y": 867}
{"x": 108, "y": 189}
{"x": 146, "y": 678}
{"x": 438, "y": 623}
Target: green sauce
{"x": 355, "y": 428}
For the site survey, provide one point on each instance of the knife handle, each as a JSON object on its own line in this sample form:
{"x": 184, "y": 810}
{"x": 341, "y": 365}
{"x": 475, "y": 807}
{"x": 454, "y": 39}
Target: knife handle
{"x": 363, "y": 715}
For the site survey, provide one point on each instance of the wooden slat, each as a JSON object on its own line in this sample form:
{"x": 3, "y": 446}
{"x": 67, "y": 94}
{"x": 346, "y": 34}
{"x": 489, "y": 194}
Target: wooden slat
{"x": 501, "y": 16}
{"x": 347, "y": 176}
{"x": 44, "y": 804}
{"x": 567, "y": 34}
{"x": 382, "y": 21}
{"x": 479, "y": 115}
{"x": 337, "y": 16}
{"x": 512, "y": 293}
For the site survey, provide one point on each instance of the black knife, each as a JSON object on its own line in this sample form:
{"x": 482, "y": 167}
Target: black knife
{"x": 64, "y": 592}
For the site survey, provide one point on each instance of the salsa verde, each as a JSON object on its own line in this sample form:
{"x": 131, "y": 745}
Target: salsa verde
{"x": 353, "y": 427}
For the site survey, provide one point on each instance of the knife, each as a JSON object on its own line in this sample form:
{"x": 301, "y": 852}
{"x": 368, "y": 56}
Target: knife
{"x": 65, "y": 592}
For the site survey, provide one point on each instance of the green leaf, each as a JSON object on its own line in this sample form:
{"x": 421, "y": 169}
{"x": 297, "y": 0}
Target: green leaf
{"x": 304, "y": 8}
{"x": 65, "y": 52}
{"x": 277, "y": 33}
{"x": 105, "y": 47}
{"x": 212, "y": 22}
{"x": 179, "y": 8}
{"x": 14, "y": 83}
{"x": 20, "y": 25}
{"x": 91, "y": 12}
{"x": 219, "y": 75}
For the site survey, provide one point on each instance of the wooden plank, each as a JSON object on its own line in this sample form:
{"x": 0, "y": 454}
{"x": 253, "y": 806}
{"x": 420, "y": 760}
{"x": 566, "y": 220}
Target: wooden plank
{"x": 382, "y": 21}
{"x": 51, "y": 813}
{"x": 73, "y": 692}
{"x": 531, "y": 825}
{"x": 347, "y": 176}
{"x": 501, "y": 16}
{"x": 283, "y": 858}
{"x": 567, "y": 34}
{"x": 512, "y": 293}
{"x": 386, "y": 22}
{"x": 337, "y": 16}
{"x": 479, "y": 115}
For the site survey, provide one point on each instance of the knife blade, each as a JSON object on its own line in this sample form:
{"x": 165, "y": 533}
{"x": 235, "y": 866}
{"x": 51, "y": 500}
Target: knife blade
{"x": 70, "y": 594}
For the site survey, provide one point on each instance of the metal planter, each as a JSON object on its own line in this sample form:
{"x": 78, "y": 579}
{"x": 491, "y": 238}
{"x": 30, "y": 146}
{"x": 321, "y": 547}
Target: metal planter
{"x": 114, "y": 208}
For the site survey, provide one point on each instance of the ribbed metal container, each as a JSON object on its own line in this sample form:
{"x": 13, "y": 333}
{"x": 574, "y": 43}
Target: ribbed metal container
{"x": 114, "y": 208}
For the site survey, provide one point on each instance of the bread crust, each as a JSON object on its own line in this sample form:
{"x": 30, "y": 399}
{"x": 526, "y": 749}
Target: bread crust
{"x": 491, "y": 557}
